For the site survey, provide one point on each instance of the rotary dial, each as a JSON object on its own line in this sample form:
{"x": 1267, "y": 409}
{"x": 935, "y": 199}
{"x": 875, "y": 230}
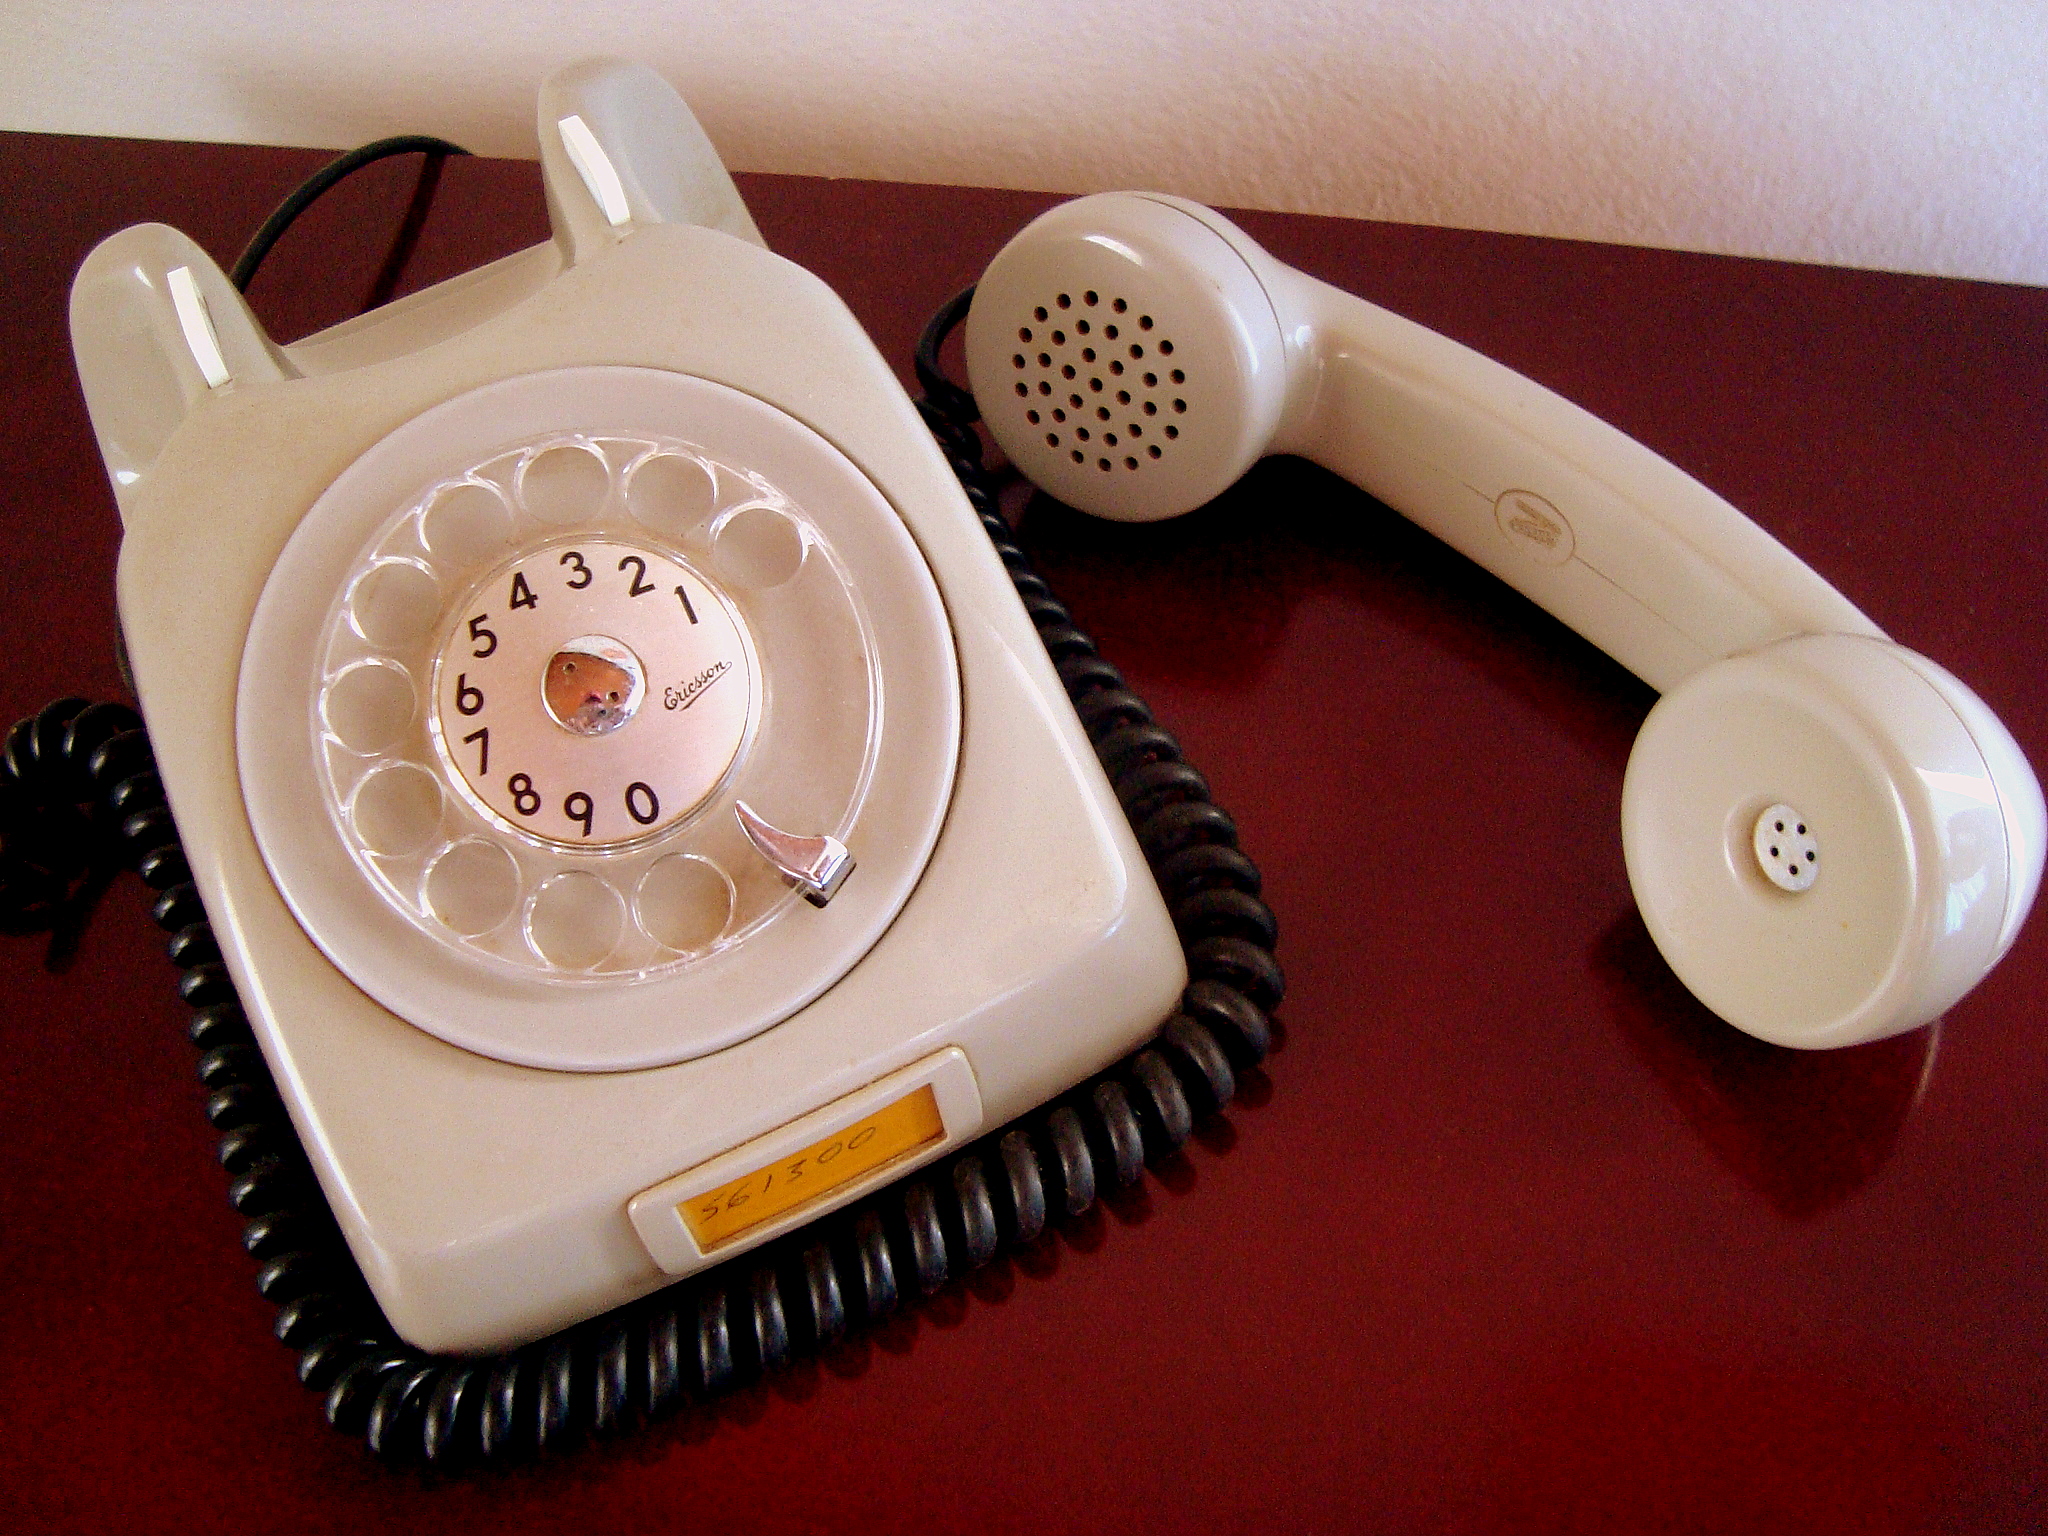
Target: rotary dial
{"x": 596, "y": 718}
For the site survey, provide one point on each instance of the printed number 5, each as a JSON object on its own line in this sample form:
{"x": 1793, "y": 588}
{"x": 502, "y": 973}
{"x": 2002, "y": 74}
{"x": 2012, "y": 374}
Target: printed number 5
{"x": 487, "y": 639}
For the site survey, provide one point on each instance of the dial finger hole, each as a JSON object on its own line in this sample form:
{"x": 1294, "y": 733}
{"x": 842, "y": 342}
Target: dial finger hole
{"x": 670, "y": 494}
{"x": 575, "y": 920}
{"x": 684, "y": 902}
{"x": 758, "y": 547}
{"x": 394, "y": 602}
{"x": 466, "y": 524}
{"x": 473, "y": 887}
{"x": 397, "y": 810}
{"x": 369, "y": 706}
{"x": 564, "y": 485}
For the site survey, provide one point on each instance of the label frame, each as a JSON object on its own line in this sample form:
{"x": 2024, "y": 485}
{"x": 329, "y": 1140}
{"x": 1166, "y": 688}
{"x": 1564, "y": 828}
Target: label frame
{"x": 656, "y": 1211}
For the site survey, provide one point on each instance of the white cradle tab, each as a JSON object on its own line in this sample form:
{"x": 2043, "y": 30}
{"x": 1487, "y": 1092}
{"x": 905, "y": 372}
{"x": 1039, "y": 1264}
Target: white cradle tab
{"x": 596, "y": 169}
{"x": 197, "y": 324}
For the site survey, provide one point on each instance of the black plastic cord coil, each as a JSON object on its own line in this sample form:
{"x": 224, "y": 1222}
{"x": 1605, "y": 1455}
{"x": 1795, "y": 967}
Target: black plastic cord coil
{"x": 80, "y": 798}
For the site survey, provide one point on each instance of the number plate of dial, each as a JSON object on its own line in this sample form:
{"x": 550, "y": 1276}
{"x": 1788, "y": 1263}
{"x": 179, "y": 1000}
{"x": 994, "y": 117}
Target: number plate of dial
{"x": 591, "y": 694}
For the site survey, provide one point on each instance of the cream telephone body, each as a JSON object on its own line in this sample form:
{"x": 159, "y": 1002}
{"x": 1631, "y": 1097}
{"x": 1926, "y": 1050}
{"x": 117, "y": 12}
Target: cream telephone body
{"x": 631, "y": 801}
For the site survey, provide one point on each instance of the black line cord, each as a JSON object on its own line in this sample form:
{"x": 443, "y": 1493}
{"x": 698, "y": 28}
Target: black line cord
{"x": 324, "y": 180}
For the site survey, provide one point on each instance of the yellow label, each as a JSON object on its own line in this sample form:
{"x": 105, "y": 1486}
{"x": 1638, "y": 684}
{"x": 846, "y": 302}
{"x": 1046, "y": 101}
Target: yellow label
{"x": 721, "y": 1214}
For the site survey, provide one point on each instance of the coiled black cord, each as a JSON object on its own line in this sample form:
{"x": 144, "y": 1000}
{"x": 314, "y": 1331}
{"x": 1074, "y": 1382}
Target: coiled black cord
{"x": 80, "y": 798}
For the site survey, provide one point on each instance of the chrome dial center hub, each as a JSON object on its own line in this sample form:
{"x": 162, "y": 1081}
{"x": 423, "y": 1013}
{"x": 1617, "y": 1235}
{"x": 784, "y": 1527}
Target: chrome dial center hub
{"x": 592, "y": 685}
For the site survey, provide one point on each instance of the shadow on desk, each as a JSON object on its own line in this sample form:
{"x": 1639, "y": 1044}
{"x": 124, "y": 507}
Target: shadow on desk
{"x": 1803, "y": 1129}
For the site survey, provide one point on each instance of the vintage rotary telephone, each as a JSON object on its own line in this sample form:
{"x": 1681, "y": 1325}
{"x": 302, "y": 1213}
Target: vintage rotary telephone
{"x": 639, "y": 817}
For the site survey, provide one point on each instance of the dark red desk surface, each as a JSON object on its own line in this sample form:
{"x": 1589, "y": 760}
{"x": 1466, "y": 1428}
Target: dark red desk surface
{"x": 1511, "y": 1237}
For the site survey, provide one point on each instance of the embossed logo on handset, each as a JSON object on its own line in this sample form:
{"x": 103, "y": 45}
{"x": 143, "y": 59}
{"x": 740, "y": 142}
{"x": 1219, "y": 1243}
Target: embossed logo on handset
{"x": 1535, "y": 526}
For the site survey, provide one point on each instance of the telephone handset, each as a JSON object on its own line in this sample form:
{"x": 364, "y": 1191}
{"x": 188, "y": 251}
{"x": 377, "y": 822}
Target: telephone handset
{"x": 1830, "y": 838}
{"x": 632, "y": 804}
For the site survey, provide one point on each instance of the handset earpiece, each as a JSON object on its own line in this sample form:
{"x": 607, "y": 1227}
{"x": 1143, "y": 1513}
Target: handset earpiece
{"x": 1128, "y": 357}
{"x": 1134, "y": 354}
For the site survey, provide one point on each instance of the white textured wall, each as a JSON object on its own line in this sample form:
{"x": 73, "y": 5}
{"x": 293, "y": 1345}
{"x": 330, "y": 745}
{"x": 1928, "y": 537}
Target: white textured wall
{"x": 1892, "y": 133}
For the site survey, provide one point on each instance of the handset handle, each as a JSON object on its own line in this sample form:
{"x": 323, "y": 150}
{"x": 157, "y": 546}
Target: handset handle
{"x": 619, "y": 150}
{"x": 1622, "y": 545}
